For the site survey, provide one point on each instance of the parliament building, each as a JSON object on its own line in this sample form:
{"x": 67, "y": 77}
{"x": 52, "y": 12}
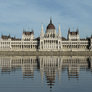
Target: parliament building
{"x": 50, "y": 40}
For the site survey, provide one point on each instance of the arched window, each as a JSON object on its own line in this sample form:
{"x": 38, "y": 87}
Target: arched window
{"x": 53, "y": 35}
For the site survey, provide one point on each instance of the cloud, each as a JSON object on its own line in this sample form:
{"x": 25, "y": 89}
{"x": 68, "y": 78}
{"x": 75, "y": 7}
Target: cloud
{"x": 18, "y": 14}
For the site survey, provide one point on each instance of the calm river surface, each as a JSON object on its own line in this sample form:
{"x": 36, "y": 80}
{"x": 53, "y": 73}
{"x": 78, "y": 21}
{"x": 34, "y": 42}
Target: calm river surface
{"x": 45, "y": 74}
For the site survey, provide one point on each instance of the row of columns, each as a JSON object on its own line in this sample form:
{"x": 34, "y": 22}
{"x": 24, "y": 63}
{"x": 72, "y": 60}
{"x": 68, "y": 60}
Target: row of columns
{"x": 50, "y": 44}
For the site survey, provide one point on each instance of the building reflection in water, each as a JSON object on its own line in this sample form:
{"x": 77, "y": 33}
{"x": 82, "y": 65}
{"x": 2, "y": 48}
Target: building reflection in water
{"x": 49, "y": 66}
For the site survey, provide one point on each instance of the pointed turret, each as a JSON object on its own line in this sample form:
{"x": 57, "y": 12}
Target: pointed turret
{"x": 59, "y": 31}
{"x": 42, "y": 32}
{"x": 68, "y": 30}
{"x": 23, "y": 30}
{"x": 50, "y": 21}
{"x": 77, "y": 30}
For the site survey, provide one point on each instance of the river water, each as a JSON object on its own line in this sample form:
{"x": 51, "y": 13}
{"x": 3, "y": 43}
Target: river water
{"x": 45, "y": 74}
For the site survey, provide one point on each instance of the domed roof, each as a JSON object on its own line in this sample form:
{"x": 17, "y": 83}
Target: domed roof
{"x": 50, "y": 25}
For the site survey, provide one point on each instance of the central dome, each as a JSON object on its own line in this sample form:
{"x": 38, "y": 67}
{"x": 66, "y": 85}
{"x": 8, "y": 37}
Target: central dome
{"x": 50, "y": 25}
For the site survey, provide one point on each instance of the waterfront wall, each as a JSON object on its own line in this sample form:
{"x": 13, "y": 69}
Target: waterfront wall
{"x": 45, "y": 53}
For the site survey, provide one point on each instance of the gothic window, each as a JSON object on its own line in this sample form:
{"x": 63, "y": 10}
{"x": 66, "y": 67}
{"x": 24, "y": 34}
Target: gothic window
{"x": 53, "y": 35}
{"x": 56, "y": 42}
{"x": 31, "y": 46}
{"x": 50, "y": 41}
{"x": 48, "y": 35}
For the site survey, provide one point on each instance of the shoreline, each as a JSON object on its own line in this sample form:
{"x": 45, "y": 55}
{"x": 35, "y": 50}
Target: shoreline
{"x": 45, "y": 53}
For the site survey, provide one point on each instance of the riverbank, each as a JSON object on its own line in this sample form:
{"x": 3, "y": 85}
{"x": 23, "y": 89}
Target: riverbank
{"x": 45, "y": 53}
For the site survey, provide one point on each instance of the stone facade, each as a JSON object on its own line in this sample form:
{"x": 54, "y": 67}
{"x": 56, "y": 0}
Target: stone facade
{"x": 48, "y": 41}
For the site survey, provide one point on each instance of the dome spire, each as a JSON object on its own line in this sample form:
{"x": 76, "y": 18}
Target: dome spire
{"x": 50, "y": 25}
{"x": 50, "y": 20}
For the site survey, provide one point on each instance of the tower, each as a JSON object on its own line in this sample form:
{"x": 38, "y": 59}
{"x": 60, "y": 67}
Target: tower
{"x": 59, "y": 31}
{"x": 42, "y": 32}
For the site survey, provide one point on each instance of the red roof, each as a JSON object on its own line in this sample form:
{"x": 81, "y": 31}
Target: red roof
{"x": 50, "y": 25}
{"x": 73, "y": 33}
{"x": 5, "y": 37}
{"x": 28, "y": 33}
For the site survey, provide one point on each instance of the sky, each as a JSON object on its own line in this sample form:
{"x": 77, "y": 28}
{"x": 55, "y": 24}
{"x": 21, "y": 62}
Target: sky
{"x": 16, "y": 15}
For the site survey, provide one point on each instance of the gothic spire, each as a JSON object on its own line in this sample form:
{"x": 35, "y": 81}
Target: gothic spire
{"x": 68, "y": 30}
{"x": 42, "y": 32}
{"x": 59, "y": 31}
{"x": 77, "y": 30}
{"x": 50, "y": 20}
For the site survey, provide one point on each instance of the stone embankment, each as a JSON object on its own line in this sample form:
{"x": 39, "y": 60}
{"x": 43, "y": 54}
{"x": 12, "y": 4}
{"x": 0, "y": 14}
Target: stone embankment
{"x": 45, "y": 53}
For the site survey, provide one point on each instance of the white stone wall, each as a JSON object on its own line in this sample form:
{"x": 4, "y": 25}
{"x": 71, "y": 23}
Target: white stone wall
{"x": 27, "y": 37}
{"x": 46, "y": 44}
{"x": 24, "y": 45}
{"x": 91, "y": 44}
{"x": 75, "y": 45}
{"x": 18, "y": 45}
{"x": 51, "y": 41}
{"x": 5, "y": 44}
{"x": 73, "y": 37}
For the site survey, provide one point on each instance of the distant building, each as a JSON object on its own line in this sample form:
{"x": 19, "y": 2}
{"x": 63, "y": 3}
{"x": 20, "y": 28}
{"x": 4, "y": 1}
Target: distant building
{"x": 48, "y": 41}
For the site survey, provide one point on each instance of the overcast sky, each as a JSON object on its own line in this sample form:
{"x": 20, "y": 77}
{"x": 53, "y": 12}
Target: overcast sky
{"x": 30, "y": 14}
